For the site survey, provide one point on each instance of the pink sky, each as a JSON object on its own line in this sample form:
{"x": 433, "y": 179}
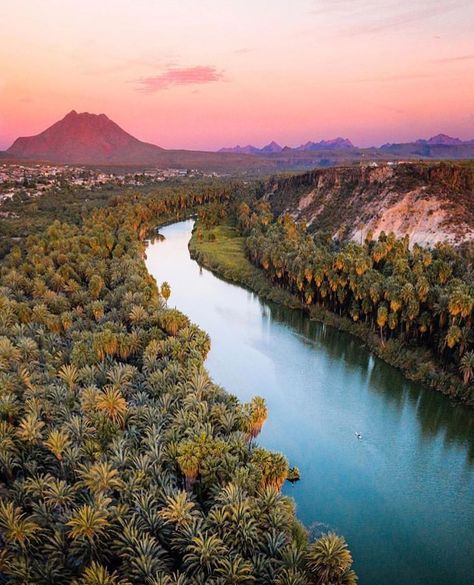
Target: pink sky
{"x": 220, "y": 72}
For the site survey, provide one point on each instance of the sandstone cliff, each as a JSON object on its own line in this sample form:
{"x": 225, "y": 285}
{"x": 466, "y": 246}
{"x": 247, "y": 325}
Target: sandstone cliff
{"x": 429, "y": 202}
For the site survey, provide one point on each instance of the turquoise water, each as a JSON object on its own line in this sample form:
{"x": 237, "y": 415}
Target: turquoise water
{"x": 403, "y": 495}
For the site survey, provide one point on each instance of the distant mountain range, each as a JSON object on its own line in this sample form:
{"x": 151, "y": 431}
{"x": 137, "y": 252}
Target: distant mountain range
{"x": 274, "y": 147}
{"x": 443, "y": 139}
{"x": 440, "y": 147}
{"x": 94, "y": 139}
{"x": 334, "y": 144}
{"x": 343, "y": 144}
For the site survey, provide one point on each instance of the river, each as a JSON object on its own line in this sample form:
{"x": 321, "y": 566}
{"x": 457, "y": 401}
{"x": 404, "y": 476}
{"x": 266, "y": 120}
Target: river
{"x": 403, "y": 494}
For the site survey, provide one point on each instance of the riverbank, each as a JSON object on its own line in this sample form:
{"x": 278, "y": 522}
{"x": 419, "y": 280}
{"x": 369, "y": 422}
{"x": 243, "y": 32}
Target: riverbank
{"x": 225, "y": 256}
{"x": 321, "y": 386}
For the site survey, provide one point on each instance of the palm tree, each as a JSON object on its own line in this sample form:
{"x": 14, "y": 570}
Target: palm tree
{"x": 113, "y": 404}
{"x": 96, "y": 574}
{"x": 453, "y": 336}
{"x": 96, "y": 284}
{"x": 138, "y": 314}
{"x": 382, "y": 317}
{"x": 97, "y": 308}
{"x": 235, "y": 570}
{"x": 179, "y": 509}
{"x": 204, "y": 554}
{"x": 57, "y": 442}
{"x": 121, "y": 375}
{"x": 165, "y": 291}
{"x": 272, "y": 467}
{"x": 101, "y": 478}
{"x": 8, "y": 352}
{"x": 30, "y": 429}
{"x": 328, "y": 561}
{"x": 69, "y": 375}
{"x": 59, "y": 494}
{"x": 466, "y": 367}
{"x": 258, "y": 416}
{"x": 88, "y": 522}
{"x": 28, "y": 349}
{"x": 291, "y": 577}
{"x": 15, "y": 526}
{"x": 189, "y": 464}
{"x": 9, "y": 405}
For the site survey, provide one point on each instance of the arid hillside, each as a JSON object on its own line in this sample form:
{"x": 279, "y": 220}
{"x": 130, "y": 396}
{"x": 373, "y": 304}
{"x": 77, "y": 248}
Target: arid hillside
{"x": 429, "y": 202}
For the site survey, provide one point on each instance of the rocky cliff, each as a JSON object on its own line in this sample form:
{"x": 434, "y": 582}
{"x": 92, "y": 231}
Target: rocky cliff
{"x": 429, "y": 202}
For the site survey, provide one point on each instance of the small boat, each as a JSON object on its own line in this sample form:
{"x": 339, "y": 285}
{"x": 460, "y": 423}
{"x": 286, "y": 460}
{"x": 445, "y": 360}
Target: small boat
{"x": 358, "y": 435}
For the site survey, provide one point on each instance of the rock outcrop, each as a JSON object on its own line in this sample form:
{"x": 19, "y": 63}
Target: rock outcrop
{"x": 428, "y": 202}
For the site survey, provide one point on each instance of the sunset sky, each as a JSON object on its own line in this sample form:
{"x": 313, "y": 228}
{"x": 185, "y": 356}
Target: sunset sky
{"x": 211, "y": 73}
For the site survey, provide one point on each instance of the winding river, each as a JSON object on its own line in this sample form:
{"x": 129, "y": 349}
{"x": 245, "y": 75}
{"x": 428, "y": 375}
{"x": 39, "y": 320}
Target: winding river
{"x": 403, "y": 494}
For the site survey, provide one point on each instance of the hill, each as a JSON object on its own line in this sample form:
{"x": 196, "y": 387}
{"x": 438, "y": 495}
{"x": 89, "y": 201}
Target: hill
{"x": 94, "y": 139}
{"x": 82, "y": 138}
{"x": 429, "y": 202}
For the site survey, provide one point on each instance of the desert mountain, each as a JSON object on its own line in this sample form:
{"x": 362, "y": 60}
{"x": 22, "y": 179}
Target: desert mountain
{"x": 438, "y": 147}
{"x": 94, "y": 139}
{"x": 83, "y": 138}
{"x": 271, "y": 147}
{"x": 274, "y": 148}
{"x": 334, "y": 144}
{"x": 249, "y": 149}
{"x": 443, "y": 140}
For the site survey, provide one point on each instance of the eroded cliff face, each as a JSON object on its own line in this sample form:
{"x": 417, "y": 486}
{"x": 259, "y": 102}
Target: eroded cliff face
{"x": 429, "y": 202}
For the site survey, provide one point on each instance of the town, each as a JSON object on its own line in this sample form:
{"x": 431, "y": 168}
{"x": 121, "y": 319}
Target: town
{"x": 33, "y": 180}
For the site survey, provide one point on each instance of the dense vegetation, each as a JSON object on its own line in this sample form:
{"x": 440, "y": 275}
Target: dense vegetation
{"x": 23, "y": 215}
{"x": 120, "y": 461}
{"x": 415, "y": 299}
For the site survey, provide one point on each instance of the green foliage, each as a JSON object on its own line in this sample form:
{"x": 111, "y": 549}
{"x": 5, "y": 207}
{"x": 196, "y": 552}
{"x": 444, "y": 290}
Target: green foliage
{"x": 120, "y": 461}
{"x": 227, "y": 257}
{"x": 418, "y": 299}
{"x": 422, "y": 298}
{"x": 329, "y": 561}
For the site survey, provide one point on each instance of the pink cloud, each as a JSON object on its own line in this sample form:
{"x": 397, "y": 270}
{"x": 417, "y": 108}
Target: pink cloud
{"x": 180, "y": 76}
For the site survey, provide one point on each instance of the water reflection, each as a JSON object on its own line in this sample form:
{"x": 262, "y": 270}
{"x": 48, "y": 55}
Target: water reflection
{"x": 435, "y": 413}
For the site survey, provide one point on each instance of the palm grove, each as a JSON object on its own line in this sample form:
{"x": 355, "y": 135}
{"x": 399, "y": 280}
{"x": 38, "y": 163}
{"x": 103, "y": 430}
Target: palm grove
{"x": 419, "y": 301}
{"x": 120, "y": 461}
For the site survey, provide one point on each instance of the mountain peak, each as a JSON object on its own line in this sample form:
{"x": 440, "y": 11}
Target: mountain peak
{"x": 333, "y": 144}
{"x": 249, "y": 149}
{"x": 440, "y": 140}
{"x": 84, "y": 138}
{"x": 271, "y": 147}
